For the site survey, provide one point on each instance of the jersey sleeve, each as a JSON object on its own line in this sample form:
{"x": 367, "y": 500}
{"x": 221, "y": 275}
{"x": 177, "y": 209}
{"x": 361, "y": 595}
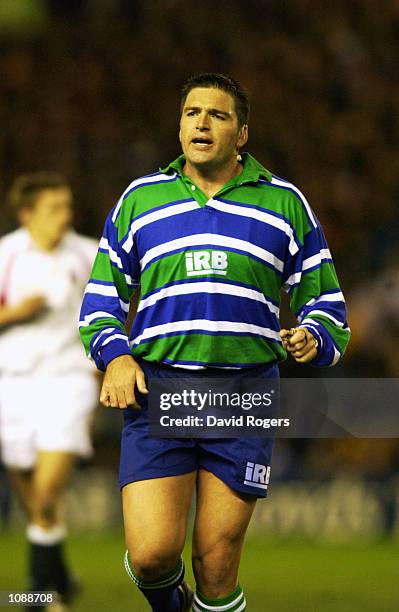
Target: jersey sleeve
{"x": 114, "y": 278}
{"x": 316, "y": 298}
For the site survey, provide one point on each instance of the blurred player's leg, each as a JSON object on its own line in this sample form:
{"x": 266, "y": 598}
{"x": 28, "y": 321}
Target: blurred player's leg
{"x": 46, "y": 532}
{"x": 155, "y": 515}
{"x": 51, "y": 474}
{"x": 221, "y": 521}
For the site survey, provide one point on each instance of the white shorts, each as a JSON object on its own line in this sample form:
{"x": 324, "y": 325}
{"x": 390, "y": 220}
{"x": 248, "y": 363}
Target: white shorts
{"x": 43, "y": 413}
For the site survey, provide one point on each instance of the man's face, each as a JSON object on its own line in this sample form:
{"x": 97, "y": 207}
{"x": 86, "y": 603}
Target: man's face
{"x": 51, "y": 215}
{"x": 209, "y": 132}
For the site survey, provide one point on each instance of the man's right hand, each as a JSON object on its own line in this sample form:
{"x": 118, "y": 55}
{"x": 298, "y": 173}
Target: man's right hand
{"x": 30, "y": 307}
{"x": 122, "y": 374}
{"x": 26, "y": 310}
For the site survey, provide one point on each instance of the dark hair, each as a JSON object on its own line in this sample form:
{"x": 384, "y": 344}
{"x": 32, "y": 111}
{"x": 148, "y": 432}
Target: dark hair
{"x": 219, "y": 81}
{"x": 25, "y": 189}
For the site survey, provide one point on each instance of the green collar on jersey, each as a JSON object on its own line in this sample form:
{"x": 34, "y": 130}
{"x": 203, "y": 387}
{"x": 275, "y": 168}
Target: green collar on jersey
{"x": 251, "y": 173}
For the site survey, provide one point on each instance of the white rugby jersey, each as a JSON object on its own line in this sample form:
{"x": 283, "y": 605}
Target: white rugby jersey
{"x": 50, "y": 342}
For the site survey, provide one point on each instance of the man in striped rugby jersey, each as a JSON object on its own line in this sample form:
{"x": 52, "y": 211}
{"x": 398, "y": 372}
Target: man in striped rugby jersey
{"x": 47, "y": 391}
{"x": 211, "y": 239}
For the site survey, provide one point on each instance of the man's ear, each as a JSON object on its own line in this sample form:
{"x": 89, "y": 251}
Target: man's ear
{"x": 24, "y": 215}
{"x": 242, "y": 136}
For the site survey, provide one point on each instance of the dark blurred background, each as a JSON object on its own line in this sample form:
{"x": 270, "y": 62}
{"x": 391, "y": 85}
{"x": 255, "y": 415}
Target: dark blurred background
{"x": 91, "y": 88}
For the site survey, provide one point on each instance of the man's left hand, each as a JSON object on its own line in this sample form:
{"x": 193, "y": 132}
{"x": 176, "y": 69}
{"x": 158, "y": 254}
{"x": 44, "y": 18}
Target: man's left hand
{"x": 300, "y": 342}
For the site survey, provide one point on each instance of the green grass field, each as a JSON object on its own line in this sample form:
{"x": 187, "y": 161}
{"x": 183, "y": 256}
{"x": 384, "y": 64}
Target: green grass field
{"x": 278, "y": 575}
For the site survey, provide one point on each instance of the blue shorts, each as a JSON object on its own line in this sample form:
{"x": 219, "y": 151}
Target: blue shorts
{"x": 242, "y": 463}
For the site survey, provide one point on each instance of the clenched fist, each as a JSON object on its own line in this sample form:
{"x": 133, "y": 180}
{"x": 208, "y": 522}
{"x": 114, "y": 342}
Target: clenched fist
{"x": 300, "y": 342}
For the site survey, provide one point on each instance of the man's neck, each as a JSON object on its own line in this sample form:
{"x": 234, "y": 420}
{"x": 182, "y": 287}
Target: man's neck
{"x": 41, "y": 242}
{"x": 210, "y": 181}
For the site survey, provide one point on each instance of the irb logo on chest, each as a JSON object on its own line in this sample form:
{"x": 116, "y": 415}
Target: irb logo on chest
{"x": 206, "y": 262}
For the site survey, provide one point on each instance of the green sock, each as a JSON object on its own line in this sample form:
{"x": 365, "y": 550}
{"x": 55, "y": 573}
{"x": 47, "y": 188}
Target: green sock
{"x": 235, "y": 602}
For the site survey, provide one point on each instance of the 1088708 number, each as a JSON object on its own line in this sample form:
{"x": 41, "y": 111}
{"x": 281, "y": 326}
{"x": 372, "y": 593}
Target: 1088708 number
{"x": 30, "y": 597}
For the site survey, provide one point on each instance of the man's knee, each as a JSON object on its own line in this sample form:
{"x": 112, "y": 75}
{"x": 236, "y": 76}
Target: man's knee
{"x": 212, "y": 565}
{"x": 216, "y": 567}
{"x": 150, "y": 563}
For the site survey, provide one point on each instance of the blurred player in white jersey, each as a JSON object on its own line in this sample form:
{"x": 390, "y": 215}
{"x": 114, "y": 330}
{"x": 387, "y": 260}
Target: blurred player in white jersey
{"x": 47, "y": 387}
